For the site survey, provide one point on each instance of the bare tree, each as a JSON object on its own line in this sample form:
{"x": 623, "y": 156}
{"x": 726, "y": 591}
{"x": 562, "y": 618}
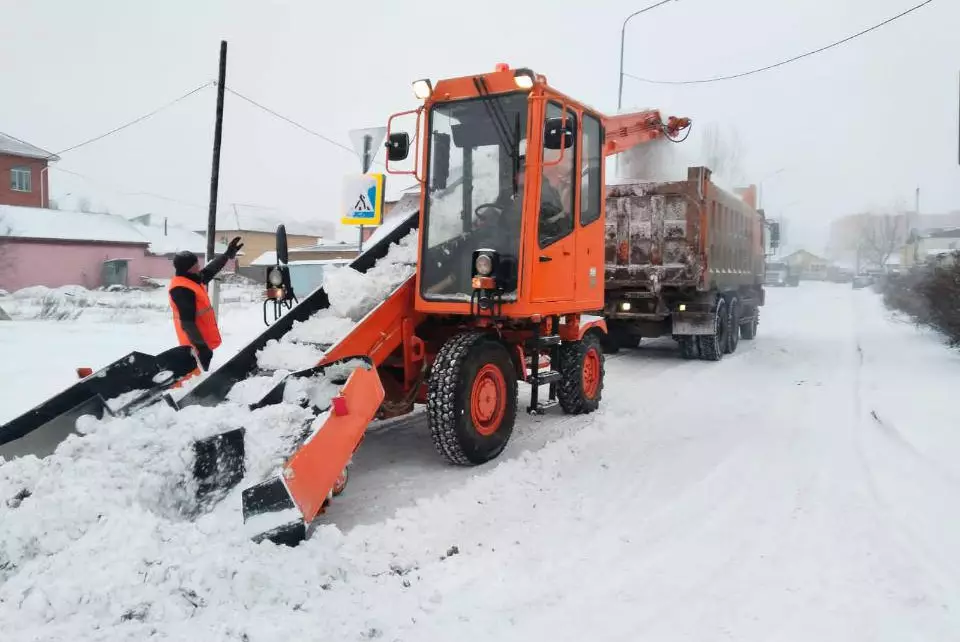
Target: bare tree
{"x": 879, "y": 236}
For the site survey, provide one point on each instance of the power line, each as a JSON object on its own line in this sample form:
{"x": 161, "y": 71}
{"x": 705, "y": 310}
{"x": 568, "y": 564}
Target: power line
{"x": 292, "y": 122}
{"x": 782, "y": 62}
{"x": 116, "y": 190}
{"x": 137, "y": 120}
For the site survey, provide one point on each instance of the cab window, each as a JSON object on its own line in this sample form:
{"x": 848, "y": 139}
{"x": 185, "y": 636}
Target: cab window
{"x": 557, "y": 185}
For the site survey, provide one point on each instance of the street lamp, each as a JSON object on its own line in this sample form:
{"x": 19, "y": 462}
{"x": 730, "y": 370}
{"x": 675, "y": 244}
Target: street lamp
{"x": 623, "y": 35}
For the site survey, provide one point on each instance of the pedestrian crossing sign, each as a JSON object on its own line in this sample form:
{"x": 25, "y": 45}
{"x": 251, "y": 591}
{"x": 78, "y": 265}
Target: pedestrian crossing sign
{"x": 363, "y": 200}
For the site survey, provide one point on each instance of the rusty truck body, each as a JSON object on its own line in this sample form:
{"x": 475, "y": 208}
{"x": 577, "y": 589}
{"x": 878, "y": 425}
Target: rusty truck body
{"x": 685, "y": 259}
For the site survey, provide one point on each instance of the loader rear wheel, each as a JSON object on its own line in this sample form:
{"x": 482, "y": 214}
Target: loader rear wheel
{"x": 581, "y": 370}
{"x": 712, "y": 345}
{"x": 472, "y": 399}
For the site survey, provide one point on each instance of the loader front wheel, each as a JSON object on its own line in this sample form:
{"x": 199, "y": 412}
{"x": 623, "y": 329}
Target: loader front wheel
{"x": 581, "y": 367}
{"x": 472, "y": 399}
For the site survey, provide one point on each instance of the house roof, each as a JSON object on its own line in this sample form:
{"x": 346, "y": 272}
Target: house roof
{"x": 16, "y": 147}
{"x": 40, "y": 223}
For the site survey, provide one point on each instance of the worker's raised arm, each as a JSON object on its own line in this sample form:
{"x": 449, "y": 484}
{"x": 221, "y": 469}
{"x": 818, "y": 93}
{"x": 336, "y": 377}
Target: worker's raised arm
{"x": 211, "y": 269}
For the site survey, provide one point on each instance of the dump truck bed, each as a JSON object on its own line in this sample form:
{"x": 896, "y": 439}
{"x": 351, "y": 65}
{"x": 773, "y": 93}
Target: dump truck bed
{"x": 681, "y": 235}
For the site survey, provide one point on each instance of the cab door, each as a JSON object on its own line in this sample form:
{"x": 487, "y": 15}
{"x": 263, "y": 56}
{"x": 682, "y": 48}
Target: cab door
{"x": 590, "y": 224}
{"x": 554, "y": 256}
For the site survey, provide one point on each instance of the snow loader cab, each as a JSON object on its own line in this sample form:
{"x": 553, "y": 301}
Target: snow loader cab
{"x": 511, "y": 210}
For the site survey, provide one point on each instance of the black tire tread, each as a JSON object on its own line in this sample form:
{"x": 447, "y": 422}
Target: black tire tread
{"x": 442, "y": 410}
{"x": 710, "y": 348}
{"x": 570, "y": 392}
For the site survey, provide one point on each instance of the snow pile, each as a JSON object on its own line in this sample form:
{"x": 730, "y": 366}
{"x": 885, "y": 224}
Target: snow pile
{"x": 352, "y": 295}
{"x": 124, "y": 305}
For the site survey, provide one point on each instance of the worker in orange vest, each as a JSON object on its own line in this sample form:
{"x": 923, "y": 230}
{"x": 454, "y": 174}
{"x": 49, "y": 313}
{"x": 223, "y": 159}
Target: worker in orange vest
{"x": 193, "y": 315}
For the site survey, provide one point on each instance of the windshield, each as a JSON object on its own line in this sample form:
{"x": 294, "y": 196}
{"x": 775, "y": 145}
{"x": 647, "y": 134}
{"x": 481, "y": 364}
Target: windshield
{"x": 474, "y": 194}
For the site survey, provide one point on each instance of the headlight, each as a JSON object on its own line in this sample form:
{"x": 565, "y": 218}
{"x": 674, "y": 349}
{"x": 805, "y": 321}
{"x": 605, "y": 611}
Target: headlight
{"x": 275, "y": 278}
{"x": 422, "y": 89}
{"x": 625, "y": 306}
{"x": 483, "y": 265}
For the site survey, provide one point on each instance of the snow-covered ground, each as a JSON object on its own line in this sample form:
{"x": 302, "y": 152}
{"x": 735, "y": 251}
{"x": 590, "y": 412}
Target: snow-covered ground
{"x": 802, "y": 489}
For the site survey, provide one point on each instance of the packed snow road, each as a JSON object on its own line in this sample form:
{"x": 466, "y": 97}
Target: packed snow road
{"x": 801, "y": 489}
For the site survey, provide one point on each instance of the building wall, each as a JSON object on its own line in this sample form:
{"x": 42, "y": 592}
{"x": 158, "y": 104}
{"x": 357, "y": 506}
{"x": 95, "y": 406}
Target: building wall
{"x": 24, "y": 199}
{"x": 256, "y": 243}
{"x": 51, "y": 263}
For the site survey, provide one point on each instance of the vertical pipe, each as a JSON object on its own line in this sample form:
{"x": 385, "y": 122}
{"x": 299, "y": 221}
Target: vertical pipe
{"x": 217, "y": 137}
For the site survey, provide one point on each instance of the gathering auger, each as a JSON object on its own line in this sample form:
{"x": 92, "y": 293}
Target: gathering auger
{"x": 510, "y": 273}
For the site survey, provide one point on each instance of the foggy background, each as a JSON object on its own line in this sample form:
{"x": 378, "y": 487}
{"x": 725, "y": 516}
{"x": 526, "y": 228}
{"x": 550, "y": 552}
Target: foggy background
{"x": 857, "y": 127}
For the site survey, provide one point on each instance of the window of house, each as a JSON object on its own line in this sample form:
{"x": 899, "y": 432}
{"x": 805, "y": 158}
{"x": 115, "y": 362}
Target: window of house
{"x": 20, "y": 179}
{"x": 591, "y": 191}
{"x": 556, "y": 190}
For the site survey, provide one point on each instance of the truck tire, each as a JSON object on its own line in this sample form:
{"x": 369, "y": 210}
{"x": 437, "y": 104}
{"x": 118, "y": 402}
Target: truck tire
{"x": 472, "y": 399}
{"x": 748, "y": 330}
{"x": 581, "y": 370}
{"x": 688, "y": 347}
{"x": 712, "y": 345}
{"x": 733, "y": 326}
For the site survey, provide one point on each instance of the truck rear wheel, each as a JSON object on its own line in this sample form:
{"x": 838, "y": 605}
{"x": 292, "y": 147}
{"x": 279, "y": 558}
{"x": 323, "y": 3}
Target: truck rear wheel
{"x": 748, "y": 330}
{"x": 688, "y": 347}
{"x": 581, "y": 369}
{"x": 472, "y": 399}
{"x": 712, "y": 345}
{"x": 733, "y": 325}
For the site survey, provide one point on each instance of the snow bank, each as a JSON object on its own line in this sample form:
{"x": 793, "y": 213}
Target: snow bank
{"x": 72, "y": 302}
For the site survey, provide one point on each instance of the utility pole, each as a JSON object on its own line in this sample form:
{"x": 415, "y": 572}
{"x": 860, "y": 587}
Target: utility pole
{"x": 215, "y": 175}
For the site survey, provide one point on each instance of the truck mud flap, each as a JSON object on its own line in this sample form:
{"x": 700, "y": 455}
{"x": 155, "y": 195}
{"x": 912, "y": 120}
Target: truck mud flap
{"x": 41, "y": 429}
{"x": 280, "y": 508}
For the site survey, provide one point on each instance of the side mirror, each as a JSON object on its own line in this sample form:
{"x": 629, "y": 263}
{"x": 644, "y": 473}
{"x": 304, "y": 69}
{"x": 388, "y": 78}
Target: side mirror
{"x": 441, "y": 160}
{"x": 774, "y": 234}
{"x": 398, "y": 146}
{"x": 557, "y": 135}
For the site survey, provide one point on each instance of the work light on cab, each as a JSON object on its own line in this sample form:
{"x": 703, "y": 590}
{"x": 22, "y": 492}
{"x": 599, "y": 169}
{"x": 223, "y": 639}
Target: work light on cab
{"x": 524, "y": 78}
{"x": 422, "y": 88}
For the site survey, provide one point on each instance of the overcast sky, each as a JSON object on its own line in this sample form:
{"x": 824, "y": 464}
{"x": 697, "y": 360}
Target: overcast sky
{"x": 856, "y": 127}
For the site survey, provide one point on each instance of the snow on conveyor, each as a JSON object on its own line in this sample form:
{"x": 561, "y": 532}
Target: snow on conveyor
{"x": 352, "y": 295}
{"x": 801, "y": 489}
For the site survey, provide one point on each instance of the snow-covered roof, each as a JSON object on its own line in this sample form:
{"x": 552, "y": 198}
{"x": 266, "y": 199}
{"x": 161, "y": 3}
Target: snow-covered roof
{"x": 16, "y": 147}
{"x": 62, "y": 225}
{"x": 174, "y": 239}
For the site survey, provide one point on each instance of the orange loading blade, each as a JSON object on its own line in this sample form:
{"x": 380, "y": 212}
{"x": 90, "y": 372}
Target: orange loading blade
{"x": 312, "y": 472}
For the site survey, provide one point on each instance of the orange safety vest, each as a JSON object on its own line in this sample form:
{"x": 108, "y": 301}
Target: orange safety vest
{"x": 206, "y": 320}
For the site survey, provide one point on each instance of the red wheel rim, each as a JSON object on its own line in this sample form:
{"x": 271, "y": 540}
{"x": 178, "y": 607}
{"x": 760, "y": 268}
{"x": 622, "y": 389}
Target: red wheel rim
{"x": 591, "y": 373}
{"x": 488, "y": 400}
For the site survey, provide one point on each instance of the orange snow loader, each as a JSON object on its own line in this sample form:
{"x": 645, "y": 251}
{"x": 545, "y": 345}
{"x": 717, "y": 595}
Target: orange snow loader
{"x": 509, "y": 285}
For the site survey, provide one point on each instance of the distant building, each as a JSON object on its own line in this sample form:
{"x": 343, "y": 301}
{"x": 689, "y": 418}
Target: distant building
{"x": 929, "y": 245}
{"x": 810, "y": 266}
{"x": 23, "y": 173}
{"x": 40, "y": 246}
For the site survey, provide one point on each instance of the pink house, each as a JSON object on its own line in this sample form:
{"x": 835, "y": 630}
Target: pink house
{"x": 53, "y": 248}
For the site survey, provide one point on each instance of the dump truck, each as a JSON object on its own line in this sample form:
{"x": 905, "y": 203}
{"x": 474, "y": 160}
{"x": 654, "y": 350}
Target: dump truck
{"x": 780, "y": 274}
{"x": 684, "y": 259}
{"x": 509, "y": 280}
